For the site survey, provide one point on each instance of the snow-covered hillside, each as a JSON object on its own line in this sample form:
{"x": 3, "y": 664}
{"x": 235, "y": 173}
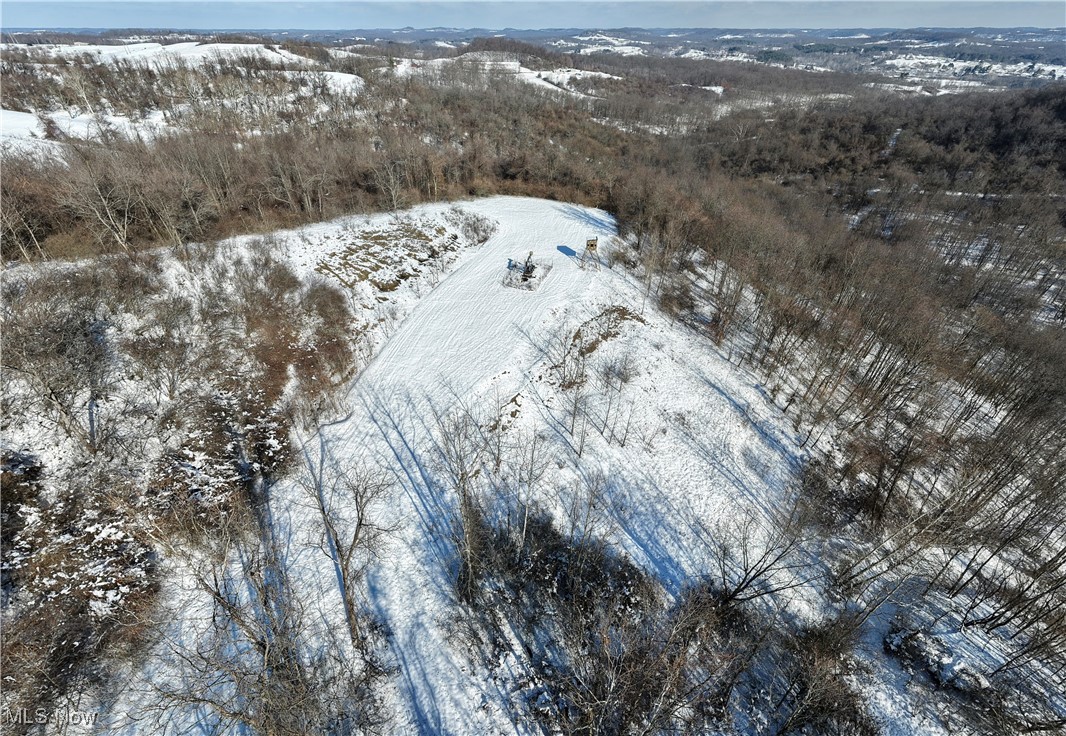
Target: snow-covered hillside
{"x": 43, "y": 128}
{"x": 496, "y": 64}
{"x": 306, "y": 431}
{"x": 189, "y": 52}
{"x": 510, "y": 411}
{"x": 473, "y": 340}
{"x": 682, "y": 446}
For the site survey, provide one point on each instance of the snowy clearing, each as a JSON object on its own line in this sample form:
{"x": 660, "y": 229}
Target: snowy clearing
{"x": 23, "y": 132}
{"x": 190, "y": 52}
{"x": 556, "y": 80}
{"x": 704, "y": 445}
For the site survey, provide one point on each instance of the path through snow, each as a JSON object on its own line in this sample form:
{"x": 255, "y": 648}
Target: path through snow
{"x": 467, "y": 331}
{"x": 472, "y": 339}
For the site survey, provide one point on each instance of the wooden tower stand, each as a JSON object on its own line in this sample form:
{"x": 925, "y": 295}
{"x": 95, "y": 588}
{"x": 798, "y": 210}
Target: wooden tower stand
{"x": 591, "y": 253}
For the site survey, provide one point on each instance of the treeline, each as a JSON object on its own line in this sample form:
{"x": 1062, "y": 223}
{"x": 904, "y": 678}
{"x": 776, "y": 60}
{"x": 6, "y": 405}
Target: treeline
{"x": 977, "y": 178}
{"x": 250, "y": 141}
{"x": 661, "y": 72}
{"x": 519, "y": 49}
{"x": 1008, "y": 143}
{"x": 929, "y": 346}
{"x": 303, "y": 162}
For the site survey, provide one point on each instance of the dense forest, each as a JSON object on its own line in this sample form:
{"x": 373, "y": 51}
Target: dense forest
{"x": 892, "y": 268}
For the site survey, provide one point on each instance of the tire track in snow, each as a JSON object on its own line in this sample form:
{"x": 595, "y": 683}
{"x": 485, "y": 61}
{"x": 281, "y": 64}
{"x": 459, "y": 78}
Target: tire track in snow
{"x": 469, "y": 329}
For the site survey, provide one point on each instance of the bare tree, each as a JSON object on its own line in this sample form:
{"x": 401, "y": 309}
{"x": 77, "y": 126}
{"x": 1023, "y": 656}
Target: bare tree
{"x": 348, "y": 498}
{"x": 531, "y": 465}
{"x": 391, "y": 178}
{"x": 462, "y": 454}
{"x": 254, "y": 666}
{"x": 59, "y": 346}
{"x": 756, "y": 558}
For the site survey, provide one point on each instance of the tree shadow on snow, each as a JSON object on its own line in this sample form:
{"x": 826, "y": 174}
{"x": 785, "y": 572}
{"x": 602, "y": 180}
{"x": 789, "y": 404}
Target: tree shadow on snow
{"x": 603, "y": 224}
{"x": 658, "y": 529}
{"x": 750, "y": 471}
{"x": 416, "y": 681}
{"x": 400, "y": 430}
{"x": 768, "y": 434}
{"x": 405, "y": 425}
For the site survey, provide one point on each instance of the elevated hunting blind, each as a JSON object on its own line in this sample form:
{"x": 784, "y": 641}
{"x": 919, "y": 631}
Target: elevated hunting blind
{"x": 590, "y": 253}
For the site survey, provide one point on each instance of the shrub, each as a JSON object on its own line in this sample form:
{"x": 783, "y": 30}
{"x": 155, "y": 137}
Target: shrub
{"x": 85, "y": 580}
{"x": 610, "y": 656}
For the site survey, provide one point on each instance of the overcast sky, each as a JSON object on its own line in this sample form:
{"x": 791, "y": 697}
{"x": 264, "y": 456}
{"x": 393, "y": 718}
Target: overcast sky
{"x": 326, "y": 14}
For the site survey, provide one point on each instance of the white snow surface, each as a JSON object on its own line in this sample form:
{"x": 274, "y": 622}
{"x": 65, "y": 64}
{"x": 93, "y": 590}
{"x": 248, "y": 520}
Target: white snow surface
{"x": 14, "y": 124}
{"x": 708, "y": 442}
{"x": 564, "y": 77}
{"x": 24, "y": 132}
{"x": 706, "y": 446}
{"x": 613, "y": 49}
{"x": 599, "y": 43}
{"x": 556, "y": 80}
{"x": 191, "y": 52}
{"x": 935, "y": 66}
{"x": 338, "y": 83}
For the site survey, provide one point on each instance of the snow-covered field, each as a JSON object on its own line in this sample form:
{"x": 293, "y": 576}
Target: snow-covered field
{"x": 191, "y": 52}
{"x": 703, "y": 446}
{"x": 923, "y": 65}
{"x": 557, "y": 80}
{"x": 594, "y": 43}
{"x": 23, "y": 131}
